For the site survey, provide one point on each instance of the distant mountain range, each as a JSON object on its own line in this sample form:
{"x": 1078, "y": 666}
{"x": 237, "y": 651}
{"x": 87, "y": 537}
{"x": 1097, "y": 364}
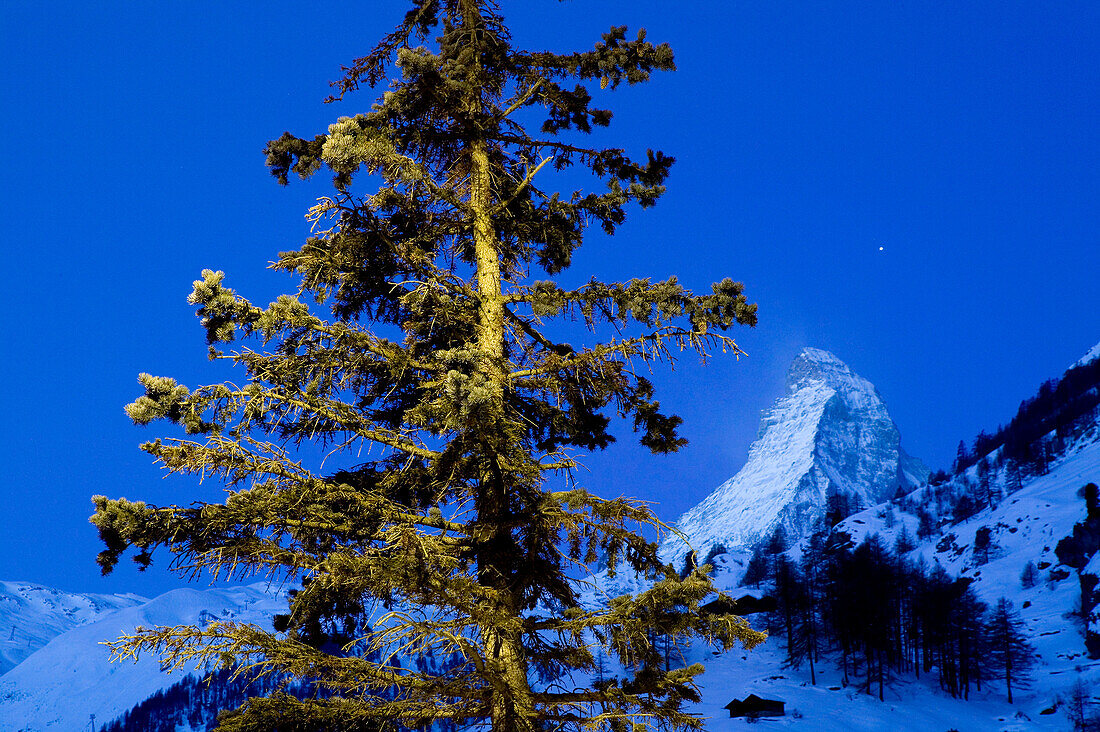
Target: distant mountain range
{"x": 32, "y": 615}
{"x": 65, "y": 678}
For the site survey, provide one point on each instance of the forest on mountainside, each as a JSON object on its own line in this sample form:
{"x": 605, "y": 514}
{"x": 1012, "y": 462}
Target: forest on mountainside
{"x": 1063, "y": 406}
{"x": 882, "y": 617}
{"x": 201, "y": 702}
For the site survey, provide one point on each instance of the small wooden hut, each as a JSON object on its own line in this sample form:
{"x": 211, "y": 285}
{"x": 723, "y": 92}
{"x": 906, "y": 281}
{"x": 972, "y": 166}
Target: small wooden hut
{"x": 754, "y": 706}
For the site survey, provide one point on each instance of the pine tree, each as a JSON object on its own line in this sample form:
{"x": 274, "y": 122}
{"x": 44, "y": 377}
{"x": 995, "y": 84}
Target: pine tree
{"x": 1079, "y": 707}
{"x": 1029, "y": 576}
{"x": 436, "y": 361}
{"x": 986, "y": 483}
{"x": 757, "y": 569}
{"x": 809, "y": 622}
{"x": 926, "y": 525}
{"x": 838, "y": 506}
{"x": 962, "y": 457}
{"x": 1013, "y": 480}
{"x": 1091, "y": 493}
{"x": 983, "y": 545}
{"x": 1010, "y": 654}
{"x": 965, "y": 506}
{"x": 904, "y": 542}
{"x": 790, "y": 599}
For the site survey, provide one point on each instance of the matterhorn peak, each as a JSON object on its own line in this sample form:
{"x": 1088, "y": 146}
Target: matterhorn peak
{"x": 814, "y": 364}
{"x": 829, "y": 436}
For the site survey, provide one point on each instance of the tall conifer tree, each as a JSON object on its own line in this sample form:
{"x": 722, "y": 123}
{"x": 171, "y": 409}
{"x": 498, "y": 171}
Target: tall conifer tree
{"x": 1010, "y": 655}
{"x": 436, "y": 359}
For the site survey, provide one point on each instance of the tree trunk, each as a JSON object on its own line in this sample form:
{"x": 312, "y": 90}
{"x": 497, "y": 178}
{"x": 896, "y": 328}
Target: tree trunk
{"x": 880, "y": 675}
{"x": 512, "y": 708}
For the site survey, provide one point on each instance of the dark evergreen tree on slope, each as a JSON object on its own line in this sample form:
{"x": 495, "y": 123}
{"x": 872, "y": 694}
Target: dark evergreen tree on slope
{"x": 440, "y": 210}
{"x": 883, "y": 615}
{"x": 1011, "y": 657}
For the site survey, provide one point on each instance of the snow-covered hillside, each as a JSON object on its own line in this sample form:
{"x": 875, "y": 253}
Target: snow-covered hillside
{"x": 1092, "y": 355}
{"x": 32, "y": 615}
{"x": 1024, "y": 525}
{"x": 1027, "y": 526}
{"x": 59, "y": 686}
{"x": 830, "y": 434}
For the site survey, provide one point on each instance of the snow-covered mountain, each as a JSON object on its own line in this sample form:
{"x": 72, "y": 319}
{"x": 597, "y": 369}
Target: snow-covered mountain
{"x": 830, "y": 434}
{"x": 59, "y": 686}
{"x": 1006, "y": 547}
{"x": 32, "y": 615}
{"x": 1025, "y": 527}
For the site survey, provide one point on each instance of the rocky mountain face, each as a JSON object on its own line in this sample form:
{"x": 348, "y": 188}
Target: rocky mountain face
{"x": 829, "y": 435}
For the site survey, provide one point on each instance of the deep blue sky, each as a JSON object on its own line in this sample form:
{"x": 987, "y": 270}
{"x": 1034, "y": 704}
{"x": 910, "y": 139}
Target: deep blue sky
{"x": 960, "y": 138}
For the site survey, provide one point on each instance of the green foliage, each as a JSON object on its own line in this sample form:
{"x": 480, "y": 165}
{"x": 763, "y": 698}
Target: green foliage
{"x": 433, "y": 361}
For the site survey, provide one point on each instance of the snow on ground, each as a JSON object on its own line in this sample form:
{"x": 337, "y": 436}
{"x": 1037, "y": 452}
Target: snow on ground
{"x": 1025, "y": 526}
{"x": 61, "y": 684}
{"x": 1092, "y": 355}
{"x": 909, "y": 706}
{"x": 32, "y": 615}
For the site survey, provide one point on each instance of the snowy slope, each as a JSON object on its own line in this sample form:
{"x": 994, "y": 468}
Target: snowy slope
{"x": 830, "y": 433}
{"x": 1092, "y": 355}
{"x": 32, "y": 615}
{"x": 68, "y": 679}
{"x": 1026, "y": 527}
{"x": 909, "y": 706}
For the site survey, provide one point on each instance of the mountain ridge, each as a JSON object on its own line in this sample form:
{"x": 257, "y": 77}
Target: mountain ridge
{"x": 31, "y": 615}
